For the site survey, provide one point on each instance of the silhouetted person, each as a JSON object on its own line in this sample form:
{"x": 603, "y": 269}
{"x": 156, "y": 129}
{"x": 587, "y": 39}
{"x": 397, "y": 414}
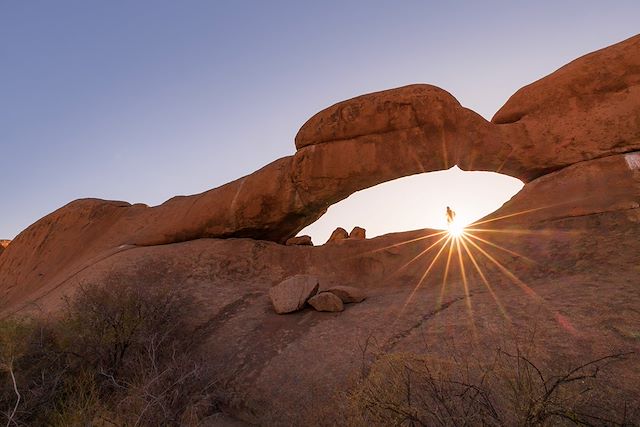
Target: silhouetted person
{"x": 451, "y": 215}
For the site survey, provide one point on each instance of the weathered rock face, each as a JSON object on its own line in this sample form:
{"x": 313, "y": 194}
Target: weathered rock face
{"x": 587, "y": 109}
{"x": 609, "y": 184}
{"x": 326, "y": 301}
{"x": 571, "y": 270}
{"x": 59, "y": 245}
{"x": 293, "y": 293}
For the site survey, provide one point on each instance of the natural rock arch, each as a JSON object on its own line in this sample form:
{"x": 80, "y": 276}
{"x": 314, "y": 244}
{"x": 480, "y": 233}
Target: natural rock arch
{"x": 587, "y": 109}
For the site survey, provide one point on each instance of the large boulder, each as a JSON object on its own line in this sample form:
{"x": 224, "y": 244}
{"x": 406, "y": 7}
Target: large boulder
{"x": 587, "y": 109}
{"x": 358, "y": 233}
{"x": 337, "y": 235}
{"x": 293, "y": 293}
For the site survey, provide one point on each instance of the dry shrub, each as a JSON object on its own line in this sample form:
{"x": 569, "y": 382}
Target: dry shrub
{"x": 119, "y": 354}
{"x": 406, "y": 389}
{"x": 409, "y": 390}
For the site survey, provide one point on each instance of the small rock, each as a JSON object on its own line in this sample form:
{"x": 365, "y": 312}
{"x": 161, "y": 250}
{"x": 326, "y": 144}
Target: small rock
{"x": 358, "y": 233}
{"x": 348, "y": 294}
{"x": 326, "y": 301}
{"x": 3, "y": 245}
{"x": 299, "y": 241}
{"x": 292, "y": 294}
{"x": 338, "y": 234}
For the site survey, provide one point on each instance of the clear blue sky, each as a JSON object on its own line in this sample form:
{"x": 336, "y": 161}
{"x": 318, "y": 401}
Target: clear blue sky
{"x": 143, "y": 100}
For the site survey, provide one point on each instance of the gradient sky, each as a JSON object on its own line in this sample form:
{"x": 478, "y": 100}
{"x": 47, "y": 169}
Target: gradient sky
{"x": 144, "y": 100}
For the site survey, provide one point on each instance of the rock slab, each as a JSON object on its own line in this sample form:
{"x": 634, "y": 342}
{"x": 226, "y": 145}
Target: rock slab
{"x": 326, "y": 301}
{"x": 348, "y": 294}
{"x": 292, "y": 294}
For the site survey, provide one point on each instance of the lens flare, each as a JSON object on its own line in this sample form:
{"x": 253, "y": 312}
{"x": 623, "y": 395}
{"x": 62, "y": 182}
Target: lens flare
{"x": 456, "y": 229}
{"x": 461, "y": 241}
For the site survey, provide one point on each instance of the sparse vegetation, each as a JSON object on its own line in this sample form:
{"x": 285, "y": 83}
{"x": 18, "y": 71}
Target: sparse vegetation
{"x": 117, "y": 355}
{"x": 410, "y": 390}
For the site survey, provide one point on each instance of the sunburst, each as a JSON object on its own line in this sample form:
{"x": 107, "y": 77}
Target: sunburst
{"x": 464, "y": 240}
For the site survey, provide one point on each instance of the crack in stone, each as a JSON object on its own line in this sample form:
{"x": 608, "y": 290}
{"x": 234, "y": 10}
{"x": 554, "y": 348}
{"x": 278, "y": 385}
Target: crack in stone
{"x": 395, "y": 339}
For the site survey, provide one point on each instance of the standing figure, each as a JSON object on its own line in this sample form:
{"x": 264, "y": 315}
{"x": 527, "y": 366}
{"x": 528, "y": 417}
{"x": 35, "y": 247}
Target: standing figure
{"x": 451, "y": 216}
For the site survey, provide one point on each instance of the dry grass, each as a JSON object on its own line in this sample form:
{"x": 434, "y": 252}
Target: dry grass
{"x": 409, "y": 390}
{"x": 117, "y": 355}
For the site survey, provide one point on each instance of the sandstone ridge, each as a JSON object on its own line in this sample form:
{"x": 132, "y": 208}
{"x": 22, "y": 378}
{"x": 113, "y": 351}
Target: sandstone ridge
{"x": 587, "y": 110}
{"x": 559, "y": 261}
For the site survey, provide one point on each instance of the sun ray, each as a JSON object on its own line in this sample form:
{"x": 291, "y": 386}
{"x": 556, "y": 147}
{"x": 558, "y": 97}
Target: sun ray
{"x": 526, "y": 211}
{"x": 466, "y": 290}
{"x": 506, "y": 271}
{"x": 446, "y": 274}
{"x": 523, "y": 231}
{"x": 422, "y": 253}
{"x": 463, "y": 274}
{"x": 417, "y": 239}
{"x": 484, "y": 278}
{"x": 424, "y": 275}
{"x": 495, "y": 245}
{"x": 510, "y": 215}
{"x": 561, "y": 319}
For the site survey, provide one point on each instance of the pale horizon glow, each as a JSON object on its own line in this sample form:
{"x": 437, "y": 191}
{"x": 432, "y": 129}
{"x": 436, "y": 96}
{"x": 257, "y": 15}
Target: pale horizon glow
{"x": 416, "y": 202}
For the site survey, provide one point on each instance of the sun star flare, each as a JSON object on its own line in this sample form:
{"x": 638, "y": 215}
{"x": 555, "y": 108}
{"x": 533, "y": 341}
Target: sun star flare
{"x": 456, "y": 229}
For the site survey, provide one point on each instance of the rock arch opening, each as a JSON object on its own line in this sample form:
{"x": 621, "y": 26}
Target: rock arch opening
{"x": 416, "y": 202}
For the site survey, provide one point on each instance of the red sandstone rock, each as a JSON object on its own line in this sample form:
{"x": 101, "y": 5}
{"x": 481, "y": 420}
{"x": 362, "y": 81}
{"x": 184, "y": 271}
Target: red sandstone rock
{"x": 358, "y": 233}
{"x": 572, "y": 274}
{"x": 326, "y": 301}
{"x": 594, "y": 187}
{"x": 299, "y": 241}
{"x": 292, "y": 294}
{"x": 587, "y": 109}
{"x": 584, "y": 110}
{"x": 337, "y": 235}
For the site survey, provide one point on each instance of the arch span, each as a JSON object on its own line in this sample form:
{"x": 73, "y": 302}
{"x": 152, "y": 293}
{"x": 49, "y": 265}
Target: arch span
{"x": 353, "y": 145}
{"x": 588, "y": 109}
